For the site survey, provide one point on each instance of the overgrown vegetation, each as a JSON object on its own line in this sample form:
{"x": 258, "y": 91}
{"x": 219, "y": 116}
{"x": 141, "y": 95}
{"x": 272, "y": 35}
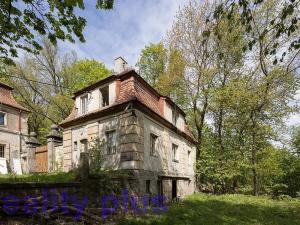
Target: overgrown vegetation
{"x": 45, "y": 84}
{"x": 237, "y": 80}
{"x": 60, "y": 177}
{"x": 225, "y": 210}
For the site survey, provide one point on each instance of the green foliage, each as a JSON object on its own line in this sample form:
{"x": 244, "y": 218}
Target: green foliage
{"x": 21, "y": 23}
{"x": 152, "y": 63}
{"x": 296, "y": 140}
{"x": 163, "y": 69}
{"x": 39, "y": 177}
{"x": 225, "y": 210}
{"x": 87, "y": 72}
{"x": 96, "y": 156}
{"x": 281, "y": 25}
{"x": 236, "y": 98}
{"x": 45, "y": 83}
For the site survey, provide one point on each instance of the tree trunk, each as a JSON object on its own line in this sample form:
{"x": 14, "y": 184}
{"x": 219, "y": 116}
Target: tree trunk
{"x": 254, "y": 157}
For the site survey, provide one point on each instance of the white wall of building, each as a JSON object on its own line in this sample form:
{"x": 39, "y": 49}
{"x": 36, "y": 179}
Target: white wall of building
{"x": 94, "y": 98}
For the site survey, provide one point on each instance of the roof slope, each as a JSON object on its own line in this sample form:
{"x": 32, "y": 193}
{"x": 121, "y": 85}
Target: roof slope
{"x": 133, "y": 88}
{"x": 6, "y": 97}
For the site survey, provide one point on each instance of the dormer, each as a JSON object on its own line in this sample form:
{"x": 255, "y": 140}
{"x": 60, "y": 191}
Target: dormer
{"x": 95, "y": 99}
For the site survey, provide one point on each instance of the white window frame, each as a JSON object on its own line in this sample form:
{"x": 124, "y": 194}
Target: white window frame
{"x": 175, "y": 116}
{"x": 153, "y": 152}
{"x": 84, "y": 110}
{"x": 2, "y": 149}
{"x": 175, "y": 153}
{"x": 5, "y": 119}
{"x": 111, "y": 148}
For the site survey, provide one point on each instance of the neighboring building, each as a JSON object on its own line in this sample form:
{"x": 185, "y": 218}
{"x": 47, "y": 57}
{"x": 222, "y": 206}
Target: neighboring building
{"x": 143, "y": 131}
{"x": 13, "y": 127}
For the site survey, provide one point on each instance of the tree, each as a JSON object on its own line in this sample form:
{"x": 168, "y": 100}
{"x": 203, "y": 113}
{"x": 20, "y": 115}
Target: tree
{"x": 237, "y": 107}
{"x": 87, "y": 72}
{"x": 296, "y": 140}
{"x": 152, "y": 63}
{"x": 283, "y": 23}
{"x": 45, "y": 83}
{"x": 163, "y": 69}
{"x": 21, "y": 22}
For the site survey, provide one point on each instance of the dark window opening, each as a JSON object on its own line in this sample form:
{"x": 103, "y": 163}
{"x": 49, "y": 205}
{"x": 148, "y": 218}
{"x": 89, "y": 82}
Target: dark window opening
{"x": 148, "y": 186}
{"x": 104, "y": 96}
{"x": 2, "y": 151}
{"x": 2, "y": 119}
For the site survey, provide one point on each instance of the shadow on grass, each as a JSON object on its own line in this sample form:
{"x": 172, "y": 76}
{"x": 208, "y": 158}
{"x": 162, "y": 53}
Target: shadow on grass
{"x": 218, "y": 212}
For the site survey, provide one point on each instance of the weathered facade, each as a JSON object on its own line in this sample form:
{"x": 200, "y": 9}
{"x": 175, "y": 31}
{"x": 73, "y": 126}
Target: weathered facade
{"x": 13, "y": 128}
{"x": 143, "y": 131}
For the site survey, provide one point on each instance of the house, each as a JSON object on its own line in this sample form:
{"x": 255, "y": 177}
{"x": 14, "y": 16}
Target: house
{"x": 13, "y": 127}
{"x": 143, "y": 131}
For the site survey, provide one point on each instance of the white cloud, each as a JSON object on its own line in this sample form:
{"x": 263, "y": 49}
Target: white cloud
{"x": 125, "y": 30}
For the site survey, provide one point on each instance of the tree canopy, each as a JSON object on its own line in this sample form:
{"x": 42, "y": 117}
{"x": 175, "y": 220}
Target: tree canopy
{"x": 237, "y": 92}
{"x": 23, "y": 21}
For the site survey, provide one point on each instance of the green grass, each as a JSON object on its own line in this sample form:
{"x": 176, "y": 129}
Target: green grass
{"x": 38, "y": 178}
{"x": 203, "y": 209}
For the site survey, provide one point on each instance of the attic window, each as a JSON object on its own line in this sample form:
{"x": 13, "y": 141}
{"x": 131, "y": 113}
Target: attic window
{"x": 84, "y": 104}
{"x": 175, "y": 116}
{"x": 104, "y": 96}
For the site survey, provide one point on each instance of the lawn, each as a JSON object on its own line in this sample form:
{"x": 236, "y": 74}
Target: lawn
{"x": 225, "y": 210}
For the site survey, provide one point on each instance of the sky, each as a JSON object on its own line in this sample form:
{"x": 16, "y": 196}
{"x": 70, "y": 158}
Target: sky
{"x": 126, "y": 29}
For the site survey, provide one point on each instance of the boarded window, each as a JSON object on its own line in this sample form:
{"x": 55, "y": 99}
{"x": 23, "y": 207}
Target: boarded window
{"x": 2, "y": 151}
{"x": 104, "y": 98}
{"x": 153, "y": 144}
{"x": 84, "y": 104}
{"x": 111, "y": 139}
{"x": 175, "y": 153}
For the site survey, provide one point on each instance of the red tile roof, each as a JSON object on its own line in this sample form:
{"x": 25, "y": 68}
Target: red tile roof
{"x": 6, "y": 97}
{"x": 132, "y": 87}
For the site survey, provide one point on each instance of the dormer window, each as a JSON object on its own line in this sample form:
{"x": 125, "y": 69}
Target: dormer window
{"x": 84, "y": 104}
{"x": 104, "y": 96}
{"x": 174, "y": 117}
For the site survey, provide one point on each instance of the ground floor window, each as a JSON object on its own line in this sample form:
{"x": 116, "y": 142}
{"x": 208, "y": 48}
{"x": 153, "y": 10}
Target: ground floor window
{"x": 2, "y": 150}
{"x": 111, "y": 141}
{"x": 2, "y": 119}
{"x": 84, "y": 145}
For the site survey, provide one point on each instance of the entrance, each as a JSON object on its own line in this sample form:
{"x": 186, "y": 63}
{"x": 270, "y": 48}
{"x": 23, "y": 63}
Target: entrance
{"x": 174, "y": 189}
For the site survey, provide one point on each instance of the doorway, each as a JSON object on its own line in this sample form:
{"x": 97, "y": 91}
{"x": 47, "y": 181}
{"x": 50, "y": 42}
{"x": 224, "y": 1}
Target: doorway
{"x": 174, "y": 189}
